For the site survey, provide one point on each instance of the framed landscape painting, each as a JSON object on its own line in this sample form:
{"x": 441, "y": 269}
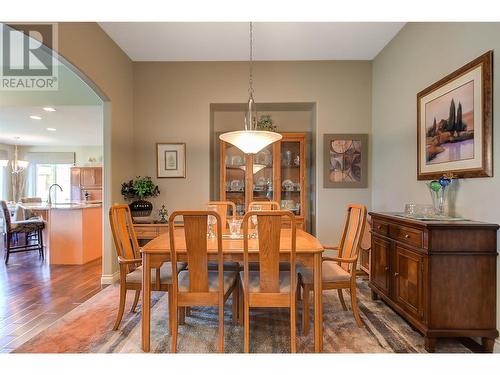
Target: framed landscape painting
{"x": 171, "y": 160}
{"x": 454, "y": 123}
{"x": 345, "y": 161}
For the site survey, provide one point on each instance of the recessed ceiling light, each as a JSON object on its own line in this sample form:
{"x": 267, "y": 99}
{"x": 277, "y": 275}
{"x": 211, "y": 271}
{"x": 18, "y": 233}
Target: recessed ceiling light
{"x": 34, "y": 117}
{"x": 49, "y": 109}
{"x": 51, "y": 129}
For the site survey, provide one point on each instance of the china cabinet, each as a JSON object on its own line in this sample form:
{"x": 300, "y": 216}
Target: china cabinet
{"x": 276, "y": 173}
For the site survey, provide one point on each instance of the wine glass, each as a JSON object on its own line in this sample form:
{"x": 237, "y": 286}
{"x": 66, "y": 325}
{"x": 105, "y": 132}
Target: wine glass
{"x": 211, "y": 221}
{"x": 255, "y": 221}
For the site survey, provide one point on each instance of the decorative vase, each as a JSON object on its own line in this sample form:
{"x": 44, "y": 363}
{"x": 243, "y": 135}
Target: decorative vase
{"x": 141, "y": 210}
{"x": 440, "y": 192}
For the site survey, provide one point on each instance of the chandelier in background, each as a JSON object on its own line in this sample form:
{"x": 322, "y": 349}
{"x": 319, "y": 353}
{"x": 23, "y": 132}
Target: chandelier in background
{"x": 251, "y": 140}
{"x": 17, "y": 166}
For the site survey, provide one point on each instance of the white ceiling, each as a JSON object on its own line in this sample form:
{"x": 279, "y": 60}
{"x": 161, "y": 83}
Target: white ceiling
{"x": 229, "y": 41}
{"x": 76, "y": 126}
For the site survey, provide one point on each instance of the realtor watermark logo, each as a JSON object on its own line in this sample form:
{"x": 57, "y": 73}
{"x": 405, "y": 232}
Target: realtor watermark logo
{"x": 27, "y": 58}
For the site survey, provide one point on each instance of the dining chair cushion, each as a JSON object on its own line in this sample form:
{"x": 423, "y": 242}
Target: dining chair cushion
{"x": 254, "y": 281}
{"x": 135, "y": 277}
{"x": 213, "y": 280}
{"x": 228, "y": 266}
{"x": 26, "y": 226}
{"x": 331, "y": 273}
{"x": 254, "y": 266}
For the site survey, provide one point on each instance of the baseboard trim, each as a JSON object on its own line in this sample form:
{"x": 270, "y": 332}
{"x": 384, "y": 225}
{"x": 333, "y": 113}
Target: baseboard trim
{"x": 496, "y": 348}
{"x": 110, "y": 279}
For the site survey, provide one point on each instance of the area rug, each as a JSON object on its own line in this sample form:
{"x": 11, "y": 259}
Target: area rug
{"x": 88, "y": 329}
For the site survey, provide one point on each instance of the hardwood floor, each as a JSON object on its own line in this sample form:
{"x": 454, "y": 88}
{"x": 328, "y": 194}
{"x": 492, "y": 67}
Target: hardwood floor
{"x": 34, "y": 294}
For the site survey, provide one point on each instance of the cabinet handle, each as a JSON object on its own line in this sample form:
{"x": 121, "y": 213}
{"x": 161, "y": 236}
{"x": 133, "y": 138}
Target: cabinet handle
{"x": 379, "y": 226}
{"x": 407, "y": 236}
{"x": 386, "y": 268}
{"x": 396, "y": 274}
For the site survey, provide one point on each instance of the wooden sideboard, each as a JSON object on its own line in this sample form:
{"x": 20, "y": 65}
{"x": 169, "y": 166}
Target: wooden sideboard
{"x": 149, "y": 231}
{"x": 438, "y": 275}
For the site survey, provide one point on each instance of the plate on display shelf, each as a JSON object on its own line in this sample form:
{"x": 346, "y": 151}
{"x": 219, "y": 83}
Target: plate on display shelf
{"x": 288, "y": 185}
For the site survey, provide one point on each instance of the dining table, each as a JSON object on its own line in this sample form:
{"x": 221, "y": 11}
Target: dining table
{"x": 309, "y": 252}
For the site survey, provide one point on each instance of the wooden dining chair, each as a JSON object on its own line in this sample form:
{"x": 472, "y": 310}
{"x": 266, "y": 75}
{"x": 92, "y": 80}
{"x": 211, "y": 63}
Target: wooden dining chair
{"x": 338, "y": 272}
{"x": 264, "y": 205}
{"x": 199, "y": 286}
{"x": 130, "y": 261}
{"x": 269, "y": 287}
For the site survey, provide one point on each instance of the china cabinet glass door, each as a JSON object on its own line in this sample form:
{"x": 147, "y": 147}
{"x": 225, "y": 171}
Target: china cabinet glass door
{"x": 292, "y": 176}
{"x": 262, "y": 175}
{"x": 234, "y": 177}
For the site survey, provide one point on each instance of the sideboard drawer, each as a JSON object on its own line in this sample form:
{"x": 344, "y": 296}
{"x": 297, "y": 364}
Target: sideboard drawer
{"x": 380, "y": 227}
{"x": 407, "y": 235}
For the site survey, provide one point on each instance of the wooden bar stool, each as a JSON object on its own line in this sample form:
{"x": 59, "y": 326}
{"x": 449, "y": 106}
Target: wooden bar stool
{"x": 33, "y": 229}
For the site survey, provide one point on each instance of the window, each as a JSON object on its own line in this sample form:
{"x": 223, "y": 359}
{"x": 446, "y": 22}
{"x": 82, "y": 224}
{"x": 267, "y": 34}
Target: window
{"x": 48, "y": 174}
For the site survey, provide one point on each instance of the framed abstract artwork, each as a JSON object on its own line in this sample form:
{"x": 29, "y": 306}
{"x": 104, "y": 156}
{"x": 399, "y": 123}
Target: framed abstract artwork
{"x": 454, "y": 123}
{"x": 345, "y": 161}
{"x": 171, "y": 160}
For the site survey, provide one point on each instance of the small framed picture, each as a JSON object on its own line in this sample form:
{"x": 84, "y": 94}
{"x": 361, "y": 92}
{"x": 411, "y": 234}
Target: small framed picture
{"x": 171, "y": 160}
{"x": 455, "y": 123}
{"x": 345, "y": 161}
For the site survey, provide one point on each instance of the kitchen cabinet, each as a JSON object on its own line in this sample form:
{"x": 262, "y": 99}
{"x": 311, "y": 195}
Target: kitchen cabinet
{"x": 86, "y": 180}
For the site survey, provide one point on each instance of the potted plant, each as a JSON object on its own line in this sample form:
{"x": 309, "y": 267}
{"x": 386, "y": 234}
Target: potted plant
{"x": 266, "y": 123}
{"x": 137, "y": 190}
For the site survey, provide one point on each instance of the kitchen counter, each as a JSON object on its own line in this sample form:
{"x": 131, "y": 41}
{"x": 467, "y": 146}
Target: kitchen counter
{"x": 73, "y": 231}
{"x": 60, "y": 206}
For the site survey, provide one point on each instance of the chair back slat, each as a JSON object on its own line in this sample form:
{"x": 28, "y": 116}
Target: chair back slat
{"x": 124, "y": 236}
{"x": 350, "y": 241}
{"x": 269, "y": 255}
{"x": 195, "y": 228}
{"x": 269, "y": 237}
{"x": 195, "y": 236}
{"x": 5, "y": 216}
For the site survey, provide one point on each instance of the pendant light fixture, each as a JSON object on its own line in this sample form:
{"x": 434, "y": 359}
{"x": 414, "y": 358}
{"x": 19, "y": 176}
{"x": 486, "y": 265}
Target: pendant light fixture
{"x": 18, "y": 165}
{"x": 251, "y": 140}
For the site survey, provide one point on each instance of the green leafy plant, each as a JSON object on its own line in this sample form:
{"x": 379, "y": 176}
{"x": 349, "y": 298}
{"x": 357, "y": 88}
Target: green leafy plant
{"x": 140, "y": 187}
{"x": 266, "y": 123}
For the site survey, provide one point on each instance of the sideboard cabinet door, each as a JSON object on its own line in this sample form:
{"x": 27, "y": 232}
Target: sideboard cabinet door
{"x": 380, "y": 264}
{"x": 409, "y": 280}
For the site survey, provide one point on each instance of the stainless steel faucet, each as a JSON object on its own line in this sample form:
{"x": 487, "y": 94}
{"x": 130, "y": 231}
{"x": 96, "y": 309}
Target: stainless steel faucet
{"x": 49, "y": 200}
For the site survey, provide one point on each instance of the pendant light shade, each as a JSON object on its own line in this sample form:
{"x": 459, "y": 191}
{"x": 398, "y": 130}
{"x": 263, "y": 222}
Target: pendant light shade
{"x": 255, "y": 167}
{"x": 251, "y": 140}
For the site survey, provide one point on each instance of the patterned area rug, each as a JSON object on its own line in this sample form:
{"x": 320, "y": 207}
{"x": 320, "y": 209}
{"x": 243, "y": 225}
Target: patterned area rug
{"x": 87, "y": 329}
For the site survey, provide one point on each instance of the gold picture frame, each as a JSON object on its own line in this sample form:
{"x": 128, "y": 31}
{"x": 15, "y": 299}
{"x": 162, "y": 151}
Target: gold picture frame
{"x": 455, "y": 123}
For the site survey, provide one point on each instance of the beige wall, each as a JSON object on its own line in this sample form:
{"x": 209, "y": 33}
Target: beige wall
{"x": 90, "y": 49}
{"x": 418, "y": 56}
{"x": 172, "y": 104}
